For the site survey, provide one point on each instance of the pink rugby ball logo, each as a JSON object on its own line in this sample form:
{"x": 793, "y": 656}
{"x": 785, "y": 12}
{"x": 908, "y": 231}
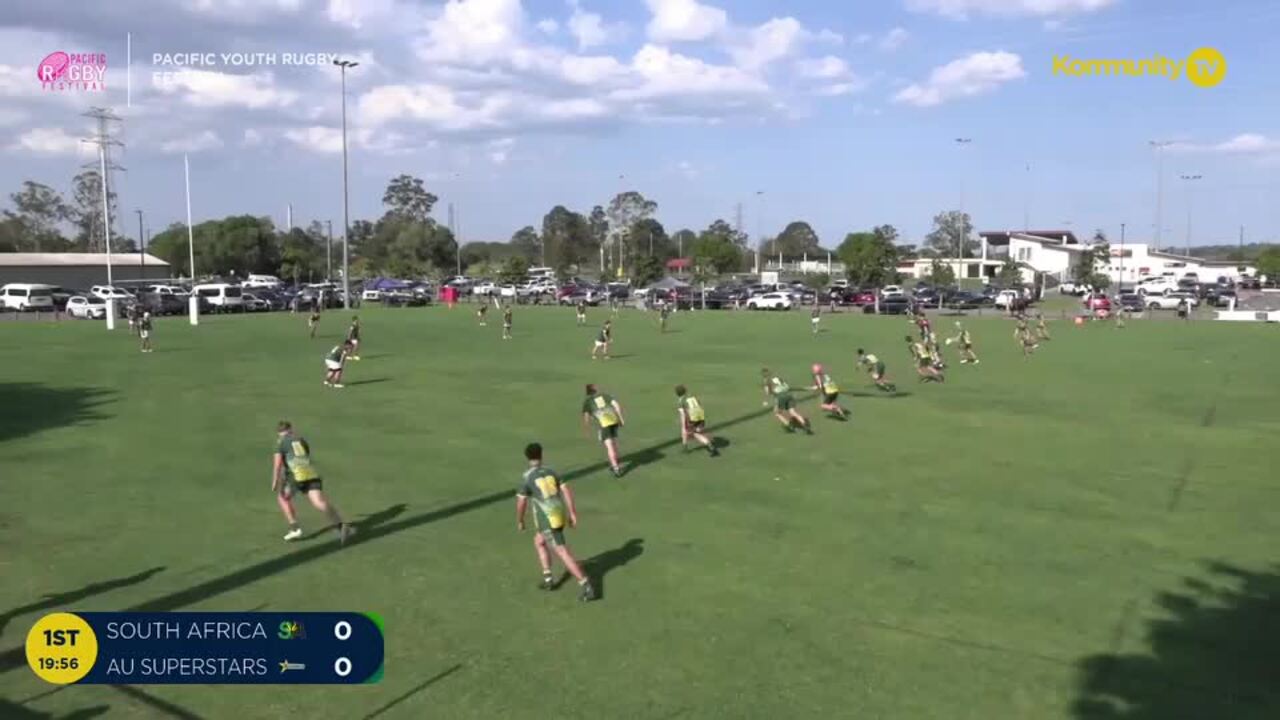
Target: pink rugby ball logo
{"x": 53, "y": 67}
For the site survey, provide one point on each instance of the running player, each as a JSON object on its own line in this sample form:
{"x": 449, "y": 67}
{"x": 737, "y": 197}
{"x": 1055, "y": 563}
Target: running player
{"x": 481, "y": 313}
{"x": 582, "y": 312}
{"x": 664, "y": 312}
{"x": 784, "y": 405}
{"x": 693, "y": 421}
{"x": 353, "y": 338}
{"x": 830, "y": 393}
{"x": 144, "y": 331}
{"x": 552, "y": 502}
{"x": 314, "y": 321}
{"x": 333, "y": 363}
{"x": 603, "y": 340}
{"x": 875, "y": 368}
{"x": 922, "y": 324}
{"x": 131, "y": 314}
{"x": 608, "y": 416}
{"x": 815, "y": 317}
{"x": 1042, "y": 329}
{"x": 924, "y": 363}
{"x": 1023, "y": 335}
{"x": 967, "y": 355}
{"x": 292, "y": 473}
{"x": 506, "y": 322}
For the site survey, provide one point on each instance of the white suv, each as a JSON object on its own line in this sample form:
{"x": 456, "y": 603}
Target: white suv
{"x": 770, "y": 301}
{"x": 1162, "y": 285}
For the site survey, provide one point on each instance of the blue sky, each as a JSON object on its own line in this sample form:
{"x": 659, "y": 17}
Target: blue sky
{"x": 842, "y": 114}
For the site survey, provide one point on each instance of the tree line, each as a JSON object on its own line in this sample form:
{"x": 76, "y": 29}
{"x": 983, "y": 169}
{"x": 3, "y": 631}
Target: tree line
{"x": 623, "y": 234}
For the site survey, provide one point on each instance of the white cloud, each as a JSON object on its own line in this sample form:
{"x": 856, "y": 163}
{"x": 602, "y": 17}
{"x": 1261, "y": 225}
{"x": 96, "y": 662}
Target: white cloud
{"x": 425, "y": 102}
{"x": 1243, "y": 144}
{"x": 862, "y": 39}
{"x": 548, "y": 26}
{"x": 684, "y": 20}
{"x": 11, "y": 116}
{"x": 48, "y": 141}
{"x": 207, "y": 88}
{"x": 590, "y": 29}
{"x": 687, "y": 169}
{"x": 962, "y": 9}
{"x": 358, "y": 14}
{"x": 251, "y": 137}
{"x": 824, "y": 68}
{"x": 840, "y": 88}
{"x": 246, "y": 11}
{"x": 894, "y": 39}
{"x": 316, "y": 138}
{"x": 591, "y": 70}
{"x": 473, "y": 32}
{"x": 666, "y": 74}
{"x": 500, "y": 150}
{"x": 771, "y": 41}
{"x": 207, "y": 140}
{"x": 968, "y": 76}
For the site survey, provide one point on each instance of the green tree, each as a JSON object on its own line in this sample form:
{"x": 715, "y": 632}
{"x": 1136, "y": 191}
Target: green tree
{"x": 514, "y": 269}
{"x": 683, "y": 241}
{"x": 568, "y": 237}
{"x": 941, "y": 274}
{"x": 624, "y": 211}
{"x": 870, "y": 258}
{"x": 406, "y": 198}
{"x": 796, "y": 240}
{"x": 526, "y": 243}
{"x": 816, "y": 282}
{"x": 303, "y": 256}
{"x": 1268, "y": 262}
{"x": 952, "y": 230}
{"x": 1010, "y": 274}
{"x": 1091, "y": 261}
{"x": 647, "y": 269}
{"x": 40, "y": 210}
{"x": 86, "y": 212}
{"x": 717, "y": 249}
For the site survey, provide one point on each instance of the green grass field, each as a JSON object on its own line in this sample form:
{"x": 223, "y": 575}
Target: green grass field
{"x": 1087, "y": 534}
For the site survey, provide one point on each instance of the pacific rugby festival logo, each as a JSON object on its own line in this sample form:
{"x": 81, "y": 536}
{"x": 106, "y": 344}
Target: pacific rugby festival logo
{"x": 61, "y": 71}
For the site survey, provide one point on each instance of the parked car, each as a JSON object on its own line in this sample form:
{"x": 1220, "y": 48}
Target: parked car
{"x": 1096, "y": 301}
{"x": 108, "y": 292}
{"x": 1073, "y": 288}
{"x": 253, "y": 303}
{"x": 1130, "y": 301}
{"x": 889, "y": 291}
{"x": 267, "y": 282}
{"x": 27, "y": 296}
{"x": 406, "y": 298}
{"x": 222, "y": 297}
{"x": 162, "y": 304}
{"x": 88, "y": 307}
{"x": 892, "y": 305}
{"x": 1007, "y": 299}
{"x": 1220, "y": 297}
{"x": 484, "y": 288}
{"x": 1162, "y": 285}
{"x": 964, "y": 300}
{"x": 770, "y": 301}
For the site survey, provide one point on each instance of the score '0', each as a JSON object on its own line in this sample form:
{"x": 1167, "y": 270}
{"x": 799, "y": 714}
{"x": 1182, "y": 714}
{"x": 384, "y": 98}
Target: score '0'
{"x": 342, "y": 667}
{"x": 342, "y": 630}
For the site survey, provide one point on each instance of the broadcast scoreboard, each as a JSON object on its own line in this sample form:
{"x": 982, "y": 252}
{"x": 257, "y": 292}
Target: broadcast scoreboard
{"x": 214, "y": 648}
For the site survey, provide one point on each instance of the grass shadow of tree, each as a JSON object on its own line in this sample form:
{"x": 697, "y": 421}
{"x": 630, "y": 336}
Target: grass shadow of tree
{"x": 45, "y": 408}
{"x": 1216, "y": 655}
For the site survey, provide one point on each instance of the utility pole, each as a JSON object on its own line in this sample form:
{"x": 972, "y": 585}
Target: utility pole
{"x": 1159, "y": 146}
{"x": 1189, "y": 179}
{"x": 142, "y": 248}
{"x": 346, "y": 196}
{"x": 759, "y": 229}
{"x": 104, "y": 142}
{"x": 328, "y": 276}
{"x": 962, "y": 232}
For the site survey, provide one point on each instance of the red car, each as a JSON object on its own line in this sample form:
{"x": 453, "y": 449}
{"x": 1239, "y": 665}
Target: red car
{"x": 1097, "y": 301}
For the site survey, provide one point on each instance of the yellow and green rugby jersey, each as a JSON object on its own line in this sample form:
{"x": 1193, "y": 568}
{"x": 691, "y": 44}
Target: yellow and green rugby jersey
{"x": 600, "y": 406}
{"x": 297, "y": 458}
{"x": 542, "y": 487}
{"x": 827, "y": 384}
{"x": 692, "y": 409}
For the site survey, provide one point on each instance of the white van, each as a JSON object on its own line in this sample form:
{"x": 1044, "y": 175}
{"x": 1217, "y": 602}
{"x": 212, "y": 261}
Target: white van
{"x": 542, "y": 272}
{"x": 222, "y": 297}
{"x": 27, "y": 296}
{"x": 265, "y": 282}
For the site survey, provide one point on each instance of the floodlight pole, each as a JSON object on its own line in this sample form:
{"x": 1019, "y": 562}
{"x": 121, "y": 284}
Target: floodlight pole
{"x": 346, "y": 205}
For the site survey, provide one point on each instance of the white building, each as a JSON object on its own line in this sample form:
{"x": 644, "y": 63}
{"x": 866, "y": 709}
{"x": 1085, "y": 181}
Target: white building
{"x": 1135, "y": 261}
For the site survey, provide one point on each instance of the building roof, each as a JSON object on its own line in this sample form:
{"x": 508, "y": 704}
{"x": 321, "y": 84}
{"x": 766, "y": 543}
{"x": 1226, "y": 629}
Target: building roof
{"x": 76, "y": 259}
{"x": 1053, "y": 236}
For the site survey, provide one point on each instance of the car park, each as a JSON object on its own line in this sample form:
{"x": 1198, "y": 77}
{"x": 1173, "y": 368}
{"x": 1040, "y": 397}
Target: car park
{"x": 88, "y": 307}
{"x": 161, "y": 303}
{"x": 893, "y": 305}
{"x": 1162, "y": 285}
{"x": 1096, "y": 301}
{"x": 108, "y": 292}
{"x": 27, "y": 296}
{"x": 1130, "y": 301}
{"x": 253, "y": 303}
{"x": 222, "y": 297}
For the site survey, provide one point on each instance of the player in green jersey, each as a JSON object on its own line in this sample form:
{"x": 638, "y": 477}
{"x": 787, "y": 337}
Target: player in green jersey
{"x": 144, "y": 331}
{"x": 784, "y": 404}
{"x": 1042, "y": 328}
{"x": 506, "y": 322}
{"x": 481, "y": 313}
{"x": 1022, "y": 335}
{"x": 664, "y": 312}
{"x": 924, "y": 362}
{"x": 313, "y": 321}
{"x": 607, "y": 415}
{"x": 603, "y": 340}
{"x": 582, "y": 312}
{"x": 815, "y": 317}
{"x": 967, "y": 355}
{"x": 552, "y": 509}
{"x": 353, "y": 338}
{"x": 875, "y": 368}
{"x": 333, "y": 364}
{"x": 823, "y": 383}
{"x": 292, "y": 472}
{"x": 693, "y": 421}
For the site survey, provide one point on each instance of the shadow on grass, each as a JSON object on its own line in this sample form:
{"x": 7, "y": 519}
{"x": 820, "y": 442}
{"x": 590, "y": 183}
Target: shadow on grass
{"x": 373, "y": 381}
{"x": 65, "y": 599}
{"x": 376, "y": 526}
{"x": 1215, "y": 656}
{"x": 597, "y": 566}
{"x": 415, "y": 690}
{"x": 883, "y": 395}
{"x": 45, "y": 408}
{"x": 368, "y": 521}
{"x": 157, "y": 707}
{"x": 13, "y": 711}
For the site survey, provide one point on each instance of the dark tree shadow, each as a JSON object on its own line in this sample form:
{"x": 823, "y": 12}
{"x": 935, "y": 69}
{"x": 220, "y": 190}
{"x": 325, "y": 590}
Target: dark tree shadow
{"x": 640, "y": 458}
{"x": 1215, "y": 657}
{"x": 368, "y": 521}
{"x": 414, "y": 691}
{"x": 70, "y": 597}
{"x": 596, "y": 567}
{"x": 45, "y": 408}
{"x": 13, "y": 711}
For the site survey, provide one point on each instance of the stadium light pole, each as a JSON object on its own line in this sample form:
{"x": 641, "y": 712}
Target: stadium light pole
{"x": 346, "y": 202}
{"x": 142, "y": 248}
{"x": 961, "y": 142}
{"x": 759, "y": 229}
{"x": 328, "y": 275}
{"x": 1159, "y": 146}
{"x": 1189, "y": 180}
